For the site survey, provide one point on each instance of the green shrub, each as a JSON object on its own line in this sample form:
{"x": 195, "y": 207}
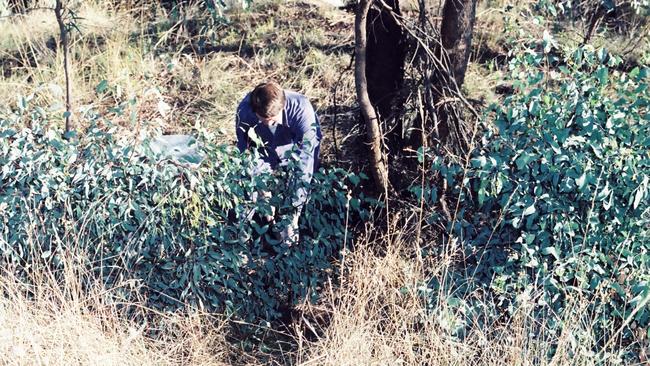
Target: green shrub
{"x": 554, "y": 201}
{"x": 179, "y": 231}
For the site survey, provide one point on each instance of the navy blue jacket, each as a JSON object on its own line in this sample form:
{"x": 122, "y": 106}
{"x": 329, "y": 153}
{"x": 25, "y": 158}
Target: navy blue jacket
{"x": 299, "y": 128}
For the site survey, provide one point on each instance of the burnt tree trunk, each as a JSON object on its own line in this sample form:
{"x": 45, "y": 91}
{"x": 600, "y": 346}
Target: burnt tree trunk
{"x": 380, "y": 53}
{"x": 386, "y": 54}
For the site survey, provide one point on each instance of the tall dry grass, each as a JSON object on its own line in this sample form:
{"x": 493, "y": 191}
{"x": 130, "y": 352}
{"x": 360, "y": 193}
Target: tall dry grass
{"x": 376, "y": 314}
{"x": 379, "y": 316}
{"x": 59, "y": 319}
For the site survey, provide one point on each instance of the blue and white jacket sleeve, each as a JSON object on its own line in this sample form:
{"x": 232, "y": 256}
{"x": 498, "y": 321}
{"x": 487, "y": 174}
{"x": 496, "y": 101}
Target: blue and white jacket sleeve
{"x": 240, "y": 131}
{"x": 306, "y": 138}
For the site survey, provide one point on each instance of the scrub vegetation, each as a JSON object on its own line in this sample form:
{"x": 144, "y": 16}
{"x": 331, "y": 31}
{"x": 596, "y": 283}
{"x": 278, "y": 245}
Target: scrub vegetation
{"x": 515, "y": 231}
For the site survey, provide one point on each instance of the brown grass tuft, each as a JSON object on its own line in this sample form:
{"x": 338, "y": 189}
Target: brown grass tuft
{"x": 63, "y": 322}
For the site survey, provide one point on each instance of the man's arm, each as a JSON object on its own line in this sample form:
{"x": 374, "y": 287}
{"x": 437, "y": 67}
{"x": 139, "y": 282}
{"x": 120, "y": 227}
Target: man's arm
{"x": 241, "y": 129}
{"x": 306, "y": 138}
{"x": 245, "y": 136}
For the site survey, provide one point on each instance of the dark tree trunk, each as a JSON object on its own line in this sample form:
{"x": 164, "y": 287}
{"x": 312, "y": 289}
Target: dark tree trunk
{"x": 458, "y": 18}
{"x": 456, "y": 40}
{"x": 386, "y": 54}
{"x": 380, "y": 52}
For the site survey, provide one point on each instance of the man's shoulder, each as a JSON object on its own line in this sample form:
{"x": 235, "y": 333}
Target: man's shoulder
{"x": 297, "y": 100}
{"x": 245, "y": 111}
{"x": 245, "y": 103}
{"x": 295, "y": 96}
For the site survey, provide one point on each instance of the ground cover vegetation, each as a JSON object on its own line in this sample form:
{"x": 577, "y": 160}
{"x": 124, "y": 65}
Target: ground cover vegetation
{"x": 556, "y": 202}
{"x": 510, "y": 224}
{"x": 184, "y": 232}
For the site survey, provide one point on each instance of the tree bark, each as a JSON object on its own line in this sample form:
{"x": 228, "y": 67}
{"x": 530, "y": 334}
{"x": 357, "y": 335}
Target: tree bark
{"x": 385, "y": 59}
{"x": 456, "y": 28}
{"x": 458, "y": 18}
{"x": 58, "y": 12}
{"x": 378, "y": 163}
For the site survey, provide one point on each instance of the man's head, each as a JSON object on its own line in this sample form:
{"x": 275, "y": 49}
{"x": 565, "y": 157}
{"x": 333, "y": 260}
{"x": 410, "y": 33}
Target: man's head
{"x": 267, "y": 101}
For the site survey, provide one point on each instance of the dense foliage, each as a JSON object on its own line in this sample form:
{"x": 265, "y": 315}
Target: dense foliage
{"x": 180, "y": 231}
{"x": 554, "y": 201}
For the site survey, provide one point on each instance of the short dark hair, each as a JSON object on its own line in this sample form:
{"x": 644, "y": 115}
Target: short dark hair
{"x": 267, "y": 99}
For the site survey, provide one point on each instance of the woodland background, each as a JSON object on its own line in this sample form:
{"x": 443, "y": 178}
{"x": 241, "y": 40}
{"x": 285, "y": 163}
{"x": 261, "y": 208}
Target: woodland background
{"x": 483, "y": 198}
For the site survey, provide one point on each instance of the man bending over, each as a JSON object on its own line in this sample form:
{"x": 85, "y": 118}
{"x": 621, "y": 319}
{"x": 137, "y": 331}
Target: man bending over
{"x": 284, "y": 121}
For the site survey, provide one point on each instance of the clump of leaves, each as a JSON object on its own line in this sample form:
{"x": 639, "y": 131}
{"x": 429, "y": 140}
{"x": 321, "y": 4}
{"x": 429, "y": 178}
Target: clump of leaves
{"x": 554, "y": 203}
{"x": 184, "y": 233}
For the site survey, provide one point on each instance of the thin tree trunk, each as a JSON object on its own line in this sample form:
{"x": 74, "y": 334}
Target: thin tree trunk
{"x": 58, "y": 11}
{"x": 379, "y": 170}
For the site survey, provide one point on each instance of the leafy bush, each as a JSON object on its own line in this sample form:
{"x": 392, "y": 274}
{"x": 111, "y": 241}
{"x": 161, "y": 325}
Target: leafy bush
{"x": 586, "y": 11}
{"x": 179, "y": 231}
{"x": 554, "y": 203}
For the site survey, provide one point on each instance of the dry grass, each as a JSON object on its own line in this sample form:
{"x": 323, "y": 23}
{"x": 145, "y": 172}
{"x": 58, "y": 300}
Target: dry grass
{"x": 63, "y": 322}
{"x": 377, "y": 315}
{"x": 156, "y": 76}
